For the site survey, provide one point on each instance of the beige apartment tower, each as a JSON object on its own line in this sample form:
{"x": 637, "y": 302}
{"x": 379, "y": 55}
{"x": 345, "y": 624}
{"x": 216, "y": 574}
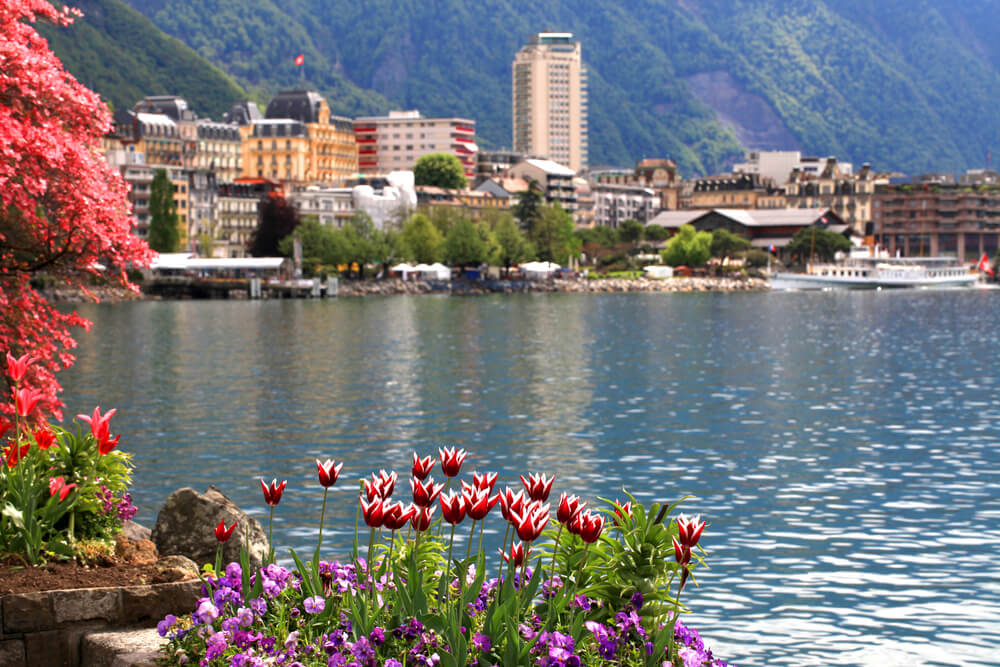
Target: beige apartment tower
{"x": 550, "y": 100}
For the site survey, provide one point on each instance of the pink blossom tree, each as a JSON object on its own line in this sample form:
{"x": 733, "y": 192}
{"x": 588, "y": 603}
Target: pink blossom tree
{"x": 64, "y": 211}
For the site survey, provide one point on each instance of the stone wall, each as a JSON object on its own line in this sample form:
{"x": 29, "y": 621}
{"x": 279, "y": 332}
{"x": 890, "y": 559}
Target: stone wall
{"x": 48, "y": 628}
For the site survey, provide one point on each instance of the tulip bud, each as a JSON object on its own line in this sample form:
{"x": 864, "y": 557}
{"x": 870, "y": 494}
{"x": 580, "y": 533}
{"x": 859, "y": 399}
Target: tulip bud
{"x": 272, "y": 494}
{"x": 452, "y": 507}
{"x": 222, "y": 534}
{"x": 538, "y": 486}
{"x": 372, "y": 511}
{"x": 422, "y": 466}
{"x": 421, "y": 520}
{"x": 451, "y": 460}
{"x": 328, "y": 472}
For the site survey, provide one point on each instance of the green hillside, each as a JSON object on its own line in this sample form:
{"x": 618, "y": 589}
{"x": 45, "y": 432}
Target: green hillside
{"x": 903, "y": 84}
{"x": 118, "y": 52}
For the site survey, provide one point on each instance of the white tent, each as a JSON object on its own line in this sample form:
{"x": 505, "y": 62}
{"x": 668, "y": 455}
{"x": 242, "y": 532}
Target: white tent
{"x": 659, "y": 271}
{"x": 439, "y": 271}
{"x": 404, "y": 269}
{"x": 536, "y": 270}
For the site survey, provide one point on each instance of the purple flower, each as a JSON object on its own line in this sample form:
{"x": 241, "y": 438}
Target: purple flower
{"x": 314, "y": 604}
{"x": 637, "y": 600}
{"x": 216, "y": 645}
{"x": 392, "y": 662}
{"x": 482, "y": 642}
{"x": 377, "y": 636}
{"x": 259, "y": 606}
{"x": 245, "y": 615}
{"x": 207, "y": 611}
{"x": 164, "y": 626}
{"x": 231, "y": 624}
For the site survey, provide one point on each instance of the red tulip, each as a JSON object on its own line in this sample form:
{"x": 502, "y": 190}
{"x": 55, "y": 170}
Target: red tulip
{"x": 272, "y": 494}
{"x": 105, "y": 446}
{"x": 682, "y": 552}
{"x": 328, "y": 472}
{"x": 538, "y": 486}
{"x": 482, "y": 504}
{"x": 422, "y": 466}
{"x": 13, "y": 453}
{"x": 45, "y": 438}
{"x": 451, "y": 460}
{"x": 425, "y": 492}
{"x": 531, "y": 521}
{"x": 5, "y": 425}
{"x": 395, "y": 516}
{"x": 484, "y": 481}
{"x": 25, "y": 400}
{"x": 516, "y": 554}
{"x": 373, "y": 488}
{"x": 373, "y": 511}
{"x": 452, "y": 507}
{"x": 689, "y": 530}
{"x": 569, "y": 507}
{"x": 421, "y": 520}
{"x": 626, "y": 510}
{"x": 222, "y": 533}
{"x": 98, "y": 424}
{"x": 511, "y": 503}
{"x": 17, "y": 367}
{"x": 59, "y": 485}
{"x": 388, "y": 481}
{"x": 589, "y": 526}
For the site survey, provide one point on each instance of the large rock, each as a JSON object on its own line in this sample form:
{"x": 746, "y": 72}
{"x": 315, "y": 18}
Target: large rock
{"x": 186, "y": 527}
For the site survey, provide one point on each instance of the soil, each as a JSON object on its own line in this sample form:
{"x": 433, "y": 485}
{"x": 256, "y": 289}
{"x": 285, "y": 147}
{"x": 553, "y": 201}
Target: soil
{"x": 15, "y": 578}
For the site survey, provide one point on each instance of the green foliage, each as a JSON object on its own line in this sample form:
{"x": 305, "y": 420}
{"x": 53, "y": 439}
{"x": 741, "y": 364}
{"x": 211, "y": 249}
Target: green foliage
{"x": 528, "y": 204}
{"x": 442, "y": 170}
{"x": 655, "y": 233}
{"x": 420, "y": 240}
{"x": 757, "y": 258}
{"x": 727, "y": 244}
{"x": 630, "y": 231}
{"x": 122, "y": 55}
{"x": 163, "y": 233}
{"x": 511, "y": 246}
{"x": 813, "y": 243}
{"x": 276, "y": 220}
{"x": 551, "y": 233}
{"x": 464, "y": 246}
{"x": 688, "y": 248}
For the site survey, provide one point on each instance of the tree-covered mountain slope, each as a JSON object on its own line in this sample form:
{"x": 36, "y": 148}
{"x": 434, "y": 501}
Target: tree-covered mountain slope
{"x": 904, "y": 84}
{"x": 122, "y": 55}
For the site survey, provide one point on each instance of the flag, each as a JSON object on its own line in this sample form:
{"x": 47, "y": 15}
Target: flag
{"x": 984, "y": 265}
{"x": 300, "y": 59}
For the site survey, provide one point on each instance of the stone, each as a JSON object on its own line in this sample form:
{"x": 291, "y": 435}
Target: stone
{"x": 86, "y": 604}
{"x": 177, "y": 568}
{"x": 186, "y": 526}
{"x": 149, "y": 604}
{"x": 140, "y": 552}
{"x": 135, "y": 531}
{"x": 27, "y": 612}
{"x": 12, "y": 653}
{"x": 125, "y": 648}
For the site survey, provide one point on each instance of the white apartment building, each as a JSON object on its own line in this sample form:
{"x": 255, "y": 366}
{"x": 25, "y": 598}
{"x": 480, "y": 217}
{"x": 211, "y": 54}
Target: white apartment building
{"x": 614, "y": 204}
{"x": 395, "y": 142}
{"x": 779, "y": 165}
{"x": 550, "y": 100}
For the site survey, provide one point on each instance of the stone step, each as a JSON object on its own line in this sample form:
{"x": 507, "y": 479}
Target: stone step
{"x": 121, "y": 648}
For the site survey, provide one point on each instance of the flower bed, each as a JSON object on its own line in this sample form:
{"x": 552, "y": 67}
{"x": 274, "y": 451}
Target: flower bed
{"x": 577, "y": 587}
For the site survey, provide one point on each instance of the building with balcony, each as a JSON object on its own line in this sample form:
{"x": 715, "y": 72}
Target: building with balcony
{"x": 736, "y": 190}
{"x": 395, "y": 142}
{"x": 614, "y": 204}
{"x": 555, "y": 181}
{"x": 549, "y": 100}
{"x": 849, "y": 195}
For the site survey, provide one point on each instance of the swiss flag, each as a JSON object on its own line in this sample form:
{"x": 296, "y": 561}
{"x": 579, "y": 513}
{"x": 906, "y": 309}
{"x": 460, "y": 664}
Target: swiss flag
{"x": 984, "y": 265}
{"x": 300, "y": 59}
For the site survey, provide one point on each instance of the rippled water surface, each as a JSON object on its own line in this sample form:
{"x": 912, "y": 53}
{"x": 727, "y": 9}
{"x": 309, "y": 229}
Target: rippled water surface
{"x": 843, "y": 446}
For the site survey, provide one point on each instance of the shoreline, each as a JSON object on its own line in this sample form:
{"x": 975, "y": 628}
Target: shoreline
{"x": 395, "y": 286}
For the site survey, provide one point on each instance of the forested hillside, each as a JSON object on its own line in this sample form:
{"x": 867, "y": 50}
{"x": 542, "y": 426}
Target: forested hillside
{"x": 903, "y": 84}
{"x": 118, "y": 52}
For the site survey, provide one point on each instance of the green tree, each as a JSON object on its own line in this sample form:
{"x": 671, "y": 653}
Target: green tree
{"x": 463, "y": 246}
{"x": 528, "y": 204}
{"x": 688, "y": 247}
{"x": 321, "y": 246}
{"x": 163, "y": 233}
{"x": 727, "y": 244}
{"x": 655, "y": 233}
{"x": 442, "y": 170}
{"x": 552, "y": 235}
{"x": 421, "y": 241}
{"x": 630, "y": 231}
{"x": 511, "y": 246}
{"x": 816, "y": 243}
{"x": 276, "y": 219}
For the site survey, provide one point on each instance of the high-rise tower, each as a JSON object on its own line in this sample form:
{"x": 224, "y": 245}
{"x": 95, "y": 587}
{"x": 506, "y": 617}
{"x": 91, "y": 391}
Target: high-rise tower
{"x": 550, "y": 100}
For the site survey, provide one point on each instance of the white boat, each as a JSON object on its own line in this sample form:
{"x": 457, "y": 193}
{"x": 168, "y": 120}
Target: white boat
{"x": 873, "y": 272}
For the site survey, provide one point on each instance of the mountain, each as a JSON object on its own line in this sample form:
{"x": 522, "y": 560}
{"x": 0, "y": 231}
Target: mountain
{"x": 118, "y": 52}
{"x": 907, "y": 85}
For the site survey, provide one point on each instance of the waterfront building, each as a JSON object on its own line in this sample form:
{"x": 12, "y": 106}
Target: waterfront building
{"x": 471, "y": 204}
{"x": 736, "y": 190}
{"x": 555, "y": 181}
{"x": 331, "y": 206}
{"x": 395, "y": 142}
{"x": 300, "y": 142}
{"x": 937, "y": 216}
{"x": 849, "y": 195}
{"x": 657, "y": 174}
{"x": 549, "y": 100}
{"x": 614, "y": 204}
{"x": 492, "y": 164}
{"x": 779, "y": 165}
{"x": 238, "y": 214}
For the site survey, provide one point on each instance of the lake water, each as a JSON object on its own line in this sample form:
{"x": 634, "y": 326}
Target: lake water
{"x": 842, "y": 446}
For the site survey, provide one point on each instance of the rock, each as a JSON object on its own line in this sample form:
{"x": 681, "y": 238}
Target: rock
{"x": 186, "y": 526}
{"x": 139, "y": 552}
{"x": 135, "y": 531}
{"x": 177, "y": 568}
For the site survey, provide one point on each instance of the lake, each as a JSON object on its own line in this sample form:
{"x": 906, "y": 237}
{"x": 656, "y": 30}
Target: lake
{"x": 842, "y": 446}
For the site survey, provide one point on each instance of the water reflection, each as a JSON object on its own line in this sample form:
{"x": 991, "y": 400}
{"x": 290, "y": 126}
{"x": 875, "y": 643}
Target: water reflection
{"x": 842, "y": 446}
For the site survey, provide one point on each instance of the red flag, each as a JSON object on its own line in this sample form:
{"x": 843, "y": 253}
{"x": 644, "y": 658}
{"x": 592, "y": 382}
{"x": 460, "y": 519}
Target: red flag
{"x": 984, "y": 265}
{"x": 300, "y": 59}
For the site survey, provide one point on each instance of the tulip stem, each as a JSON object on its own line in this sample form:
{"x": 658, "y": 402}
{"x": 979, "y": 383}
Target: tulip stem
{"x": 447, "y": 569}
{"x": 368, "y": 567}
{"x": 583, "y": 560}
{"x": 270, "y": 537}
{"x": 503, "y": 550}
{"x": 472, "y": 534}
{"x": 479, "y": 549}
{"x": 555, "y": 550}
{"x": 322, "y": 514}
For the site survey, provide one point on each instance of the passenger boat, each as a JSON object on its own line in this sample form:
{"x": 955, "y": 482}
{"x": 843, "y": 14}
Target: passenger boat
{"x": 879, "y": 272}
